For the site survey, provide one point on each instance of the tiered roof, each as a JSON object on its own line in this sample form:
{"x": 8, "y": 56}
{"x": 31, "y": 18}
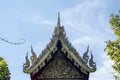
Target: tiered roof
{"x": 85, "y": 64}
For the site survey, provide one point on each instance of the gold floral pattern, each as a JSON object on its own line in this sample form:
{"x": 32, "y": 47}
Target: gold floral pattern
{"x": 60, "y": 67}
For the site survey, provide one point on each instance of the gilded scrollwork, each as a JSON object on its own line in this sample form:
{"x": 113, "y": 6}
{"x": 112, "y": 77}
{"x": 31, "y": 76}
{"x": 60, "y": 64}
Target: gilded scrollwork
{"x": 59, "y": 67}
{"x": 49, "y": 57}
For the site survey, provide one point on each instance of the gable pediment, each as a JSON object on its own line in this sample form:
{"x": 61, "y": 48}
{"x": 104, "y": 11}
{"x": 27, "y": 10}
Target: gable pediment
{"x": 59, "y": 42}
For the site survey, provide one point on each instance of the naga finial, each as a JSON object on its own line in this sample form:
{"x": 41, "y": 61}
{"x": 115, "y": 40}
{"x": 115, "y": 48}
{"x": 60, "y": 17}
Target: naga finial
{"x": 34, "y": 56}
{"x": 92, "y": 64}
{"x": 85, "y": 56}
{"x": 27, "y": 63}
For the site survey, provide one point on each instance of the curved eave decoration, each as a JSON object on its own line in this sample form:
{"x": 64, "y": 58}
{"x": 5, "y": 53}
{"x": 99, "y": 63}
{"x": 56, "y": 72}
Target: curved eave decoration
{"x": 84, "y": 63}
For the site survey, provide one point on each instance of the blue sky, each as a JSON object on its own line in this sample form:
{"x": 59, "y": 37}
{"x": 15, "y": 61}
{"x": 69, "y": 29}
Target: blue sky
{"x": 86, "y": 22}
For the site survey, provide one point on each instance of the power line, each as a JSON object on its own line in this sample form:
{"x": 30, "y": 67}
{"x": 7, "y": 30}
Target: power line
{"x": 20, "y": 41}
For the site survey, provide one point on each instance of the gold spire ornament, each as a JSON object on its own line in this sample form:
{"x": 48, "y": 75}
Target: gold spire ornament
{"x": 58, "y": 23}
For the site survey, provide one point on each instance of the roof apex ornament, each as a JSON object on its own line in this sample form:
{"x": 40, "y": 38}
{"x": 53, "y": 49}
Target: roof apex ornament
{"x": 58, "y": 22}
{"x": 59, "y": 30}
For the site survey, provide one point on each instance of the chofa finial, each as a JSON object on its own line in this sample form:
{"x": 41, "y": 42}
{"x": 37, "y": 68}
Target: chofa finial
{"x": 58, "y": 23}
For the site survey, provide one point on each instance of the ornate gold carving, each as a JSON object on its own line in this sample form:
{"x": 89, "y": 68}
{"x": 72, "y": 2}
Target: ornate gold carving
{"x": 60, "y": 67}
{"x": 60, "y": 35}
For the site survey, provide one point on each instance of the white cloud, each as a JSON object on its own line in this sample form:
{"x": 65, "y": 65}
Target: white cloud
{"x": 36, "y": 19}
{"x": 84, "y": 7}
{"x": 89, "y": 20}
{"x": 46, "y": 22}
{"x": 88, "y": 40}
{"x": 87, "y": 16}
{"x": 104, "y": 72}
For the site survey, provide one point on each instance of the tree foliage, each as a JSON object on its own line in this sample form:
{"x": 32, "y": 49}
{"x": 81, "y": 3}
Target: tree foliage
{"x": 113, "y": 46}
{"x": 4, "y": 72}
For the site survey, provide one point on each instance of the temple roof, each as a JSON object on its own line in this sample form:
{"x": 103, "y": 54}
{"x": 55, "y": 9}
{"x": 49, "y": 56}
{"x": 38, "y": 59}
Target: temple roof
{"x": 85, "y": 64}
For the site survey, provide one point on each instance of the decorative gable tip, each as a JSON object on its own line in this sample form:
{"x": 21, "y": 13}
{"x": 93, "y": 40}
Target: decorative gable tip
{"x": 90, "y": 62}
{"x": 59, "y": 46}
{"x": 26, "y": 65}
{"x": 34, "y": 56}
{"x": 85, "y": 56}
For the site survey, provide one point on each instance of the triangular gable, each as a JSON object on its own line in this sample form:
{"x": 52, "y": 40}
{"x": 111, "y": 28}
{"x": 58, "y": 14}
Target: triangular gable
{"x": 85, "y": 64}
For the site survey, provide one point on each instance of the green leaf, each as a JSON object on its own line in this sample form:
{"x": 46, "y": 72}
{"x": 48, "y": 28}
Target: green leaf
{"x": 113, "y": 47}
{"x": 4, "y": 72}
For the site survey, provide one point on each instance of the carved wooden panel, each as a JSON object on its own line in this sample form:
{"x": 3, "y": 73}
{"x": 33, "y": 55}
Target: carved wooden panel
{"x": 60, "y": 67}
